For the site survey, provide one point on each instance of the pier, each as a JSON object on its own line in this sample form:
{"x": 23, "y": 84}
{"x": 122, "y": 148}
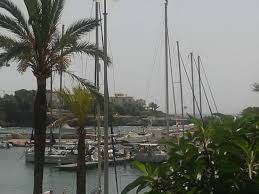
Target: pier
{"x": 92, "y": 164}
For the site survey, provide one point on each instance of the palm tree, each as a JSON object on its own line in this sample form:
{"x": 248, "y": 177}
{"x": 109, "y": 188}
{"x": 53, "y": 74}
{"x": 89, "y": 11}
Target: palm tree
{"x": 35, "y": 43}
{"x": 79, "y": 103}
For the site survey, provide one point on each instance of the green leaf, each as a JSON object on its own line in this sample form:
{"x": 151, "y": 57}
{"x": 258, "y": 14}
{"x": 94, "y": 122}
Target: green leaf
{"x": 141, "y": 166}
{"x": 134, "y": 184}
{"x": 229, "y": 167}
{"x": 192, "y": 191}
{"x": 141, "y": 187}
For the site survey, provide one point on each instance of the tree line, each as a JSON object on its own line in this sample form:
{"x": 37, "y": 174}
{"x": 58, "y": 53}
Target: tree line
{"x": 135, "y": 108}
{"x": 17, "y": 109}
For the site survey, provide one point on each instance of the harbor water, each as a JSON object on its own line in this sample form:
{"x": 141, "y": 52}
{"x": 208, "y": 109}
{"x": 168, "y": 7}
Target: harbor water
{"x": 16, "y": 176}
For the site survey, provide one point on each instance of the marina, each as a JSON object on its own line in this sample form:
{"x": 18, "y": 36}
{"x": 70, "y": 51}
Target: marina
{"x": 59, "y": 164}
{"x": 16, "y": 176}
{"x": 108, "y": 109}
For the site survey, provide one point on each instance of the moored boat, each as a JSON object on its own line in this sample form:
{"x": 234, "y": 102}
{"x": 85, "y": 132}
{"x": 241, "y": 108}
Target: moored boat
{"x": 151, "y": 153}
{"x": 133, "y": 137}
{"x": 53, "y": 156}
{"x": 5, "y": 145}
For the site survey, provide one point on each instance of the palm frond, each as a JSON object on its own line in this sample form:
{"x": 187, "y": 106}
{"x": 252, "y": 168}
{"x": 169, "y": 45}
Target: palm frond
{"x": 7, "y": 42}
{"x": 85, "y": 48}
{"x": 46, "y": 21}
{"x": 73, "y": 34}
{"x": 56, "y": 11}
{"x": 78, "y": 101}
{"x": 48, "y": 29}
{"x": 16, "y": 13}
{"x": 79, "y": 28}
{"x": 13, "y": 53}
{"x": 35, "y": 13}
{"x": 23, "y": 66}
{"x": 87, "y": 84}
{"x": 34, "y": 10}
{"x": 61, "y": 121}
{"x": 10, "y": 24}
{"x": 38, "y": 43}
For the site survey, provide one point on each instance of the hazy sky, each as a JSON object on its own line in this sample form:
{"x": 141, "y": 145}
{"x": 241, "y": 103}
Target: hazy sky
{"x": 224, "y": 32}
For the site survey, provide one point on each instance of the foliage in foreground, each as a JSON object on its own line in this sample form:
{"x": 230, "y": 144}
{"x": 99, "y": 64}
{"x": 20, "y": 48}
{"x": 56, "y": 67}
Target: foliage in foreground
{"x": 222, "y": 156}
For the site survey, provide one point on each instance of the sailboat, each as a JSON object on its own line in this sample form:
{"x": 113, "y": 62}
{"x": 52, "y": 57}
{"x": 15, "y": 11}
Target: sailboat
{"x": 53, "y": 156}
{"x": 151, "y": 152}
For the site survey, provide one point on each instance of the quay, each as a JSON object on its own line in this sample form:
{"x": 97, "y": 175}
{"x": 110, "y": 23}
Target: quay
{"x": 92, "y": 164}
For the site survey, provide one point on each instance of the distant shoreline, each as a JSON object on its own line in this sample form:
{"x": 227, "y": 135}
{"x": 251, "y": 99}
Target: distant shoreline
{"x": 117, "y": 121}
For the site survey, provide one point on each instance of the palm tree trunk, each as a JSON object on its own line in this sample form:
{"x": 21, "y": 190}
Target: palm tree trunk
{"x": 81, "y": 168}
{"x": 40, "y": 117}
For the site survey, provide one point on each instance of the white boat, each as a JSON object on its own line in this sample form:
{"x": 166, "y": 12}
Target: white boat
{"x": 157, "y": 134}
{"x": 5, "y": 145}
{"x": 53, "y": 156}
{"x": 133, "y": 137}
{"x": 151, "y": 153}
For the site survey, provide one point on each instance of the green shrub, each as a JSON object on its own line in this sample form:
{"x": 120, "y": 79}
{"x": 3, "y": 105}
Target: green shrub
{"x": 221, "y": 156}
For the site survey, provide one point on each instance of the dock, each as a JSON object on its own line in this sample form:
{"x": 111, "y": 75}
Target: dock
{"x": 92, "y": 164}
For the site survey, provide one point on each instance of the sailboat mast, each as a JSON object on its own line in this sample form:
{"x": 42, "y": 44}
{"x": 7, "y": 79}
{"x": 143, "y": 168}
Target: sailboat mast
{"x": 181, "y": 85}
{"x": 51, "y": 94}
{"x": 199, "y": 74}
{"x": 50, "y": 105}
{"x": 106, "y": 98}
{"x": 166, "y": 70}
{"x": 172, "y": 76}
{"x": 193, "y": 94}
{"x": 60, "y": 88}
{"x": 97, "y": 72}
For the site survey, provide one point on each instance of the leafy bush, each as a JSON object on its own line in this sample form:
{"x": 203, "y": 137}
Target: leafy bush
{"x": 221, "y": 156}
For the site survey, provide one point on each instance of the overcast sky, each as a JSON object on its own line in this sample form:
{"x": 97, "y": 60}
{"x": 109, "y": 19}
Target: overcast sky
{"x": 223, "y": 32}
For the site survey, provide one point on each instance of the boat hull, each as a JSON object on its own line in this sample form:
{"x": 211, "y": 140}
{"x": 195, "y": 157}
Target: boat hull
{"x": 53, "y": 159}
{"x": 151, "y": 158}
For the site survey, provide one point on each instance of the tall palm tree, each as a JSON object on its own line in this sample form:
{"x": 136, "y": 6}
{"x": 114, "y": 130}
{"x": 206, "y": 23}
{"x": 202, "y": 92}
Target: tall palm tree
{"x": 79, "y": 103}
{"x": 34, "y": 42}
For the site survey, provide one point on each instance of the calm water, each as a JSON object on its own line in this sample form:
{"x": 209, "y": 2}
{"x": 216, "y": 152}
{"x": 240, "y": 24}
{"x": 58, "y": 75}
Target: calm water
{"x": 16, "y": 177}
{"x": 117, "y": 130}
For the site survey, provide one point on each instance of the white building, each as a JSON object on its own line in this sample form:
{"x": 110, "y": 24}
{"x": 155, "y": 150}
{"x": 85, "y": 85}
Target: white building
{"x": 121, "y": 99}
